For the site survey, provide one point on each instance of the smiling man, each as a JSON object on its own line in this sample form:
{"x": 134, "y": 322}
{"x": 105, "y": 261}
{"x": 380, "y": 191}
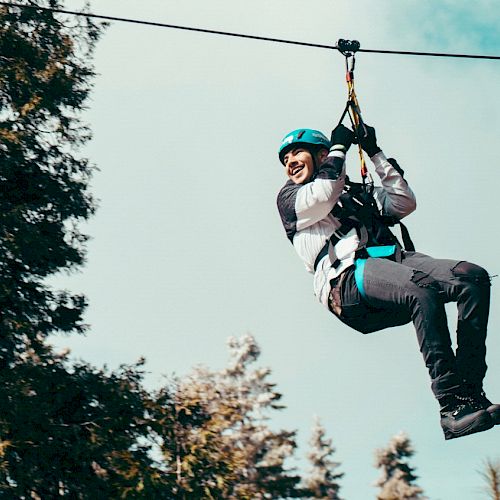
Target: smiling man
{"x": 341, "y": 231}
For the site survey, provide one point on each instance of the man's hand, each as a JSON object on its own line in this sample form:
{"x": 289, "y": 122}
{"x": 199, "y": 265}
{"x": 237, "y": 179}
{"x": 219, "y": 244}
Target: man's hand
{"x": 368, "y": 141}
{"x": 341, "y": 138}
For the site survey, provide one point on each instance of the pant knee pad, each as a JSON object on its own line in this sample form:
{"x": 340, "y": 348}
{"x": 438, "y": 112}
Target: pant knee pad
{"x": 467, "y": 271}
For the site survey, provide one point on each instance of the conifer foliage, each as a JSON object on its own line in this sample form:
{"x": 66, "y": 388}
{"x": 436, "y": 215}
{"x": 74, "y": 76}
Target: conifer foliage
{"x": 45, "y": 78}
{"x": 65, "y": 429}
{"x": 397, "y": 481}
{"x": 322, "y": 481}
{"x": 75, "y": 432}
{"x": 491, "y": 476}
{"x": 219, "y": 444}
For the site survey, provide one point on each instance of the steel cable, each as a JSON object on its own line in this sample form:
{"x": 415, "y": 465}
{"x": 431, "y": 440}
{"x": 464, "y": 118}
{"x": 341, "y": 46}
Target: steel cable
{"x": 241, "y": 35}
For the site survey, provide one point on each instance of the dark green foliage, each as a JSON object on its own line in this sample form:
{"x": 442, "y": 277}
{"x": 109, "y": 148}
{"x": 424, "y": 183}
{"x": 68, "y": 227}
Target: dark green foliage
{"x": 77, "y": 431}
{"x": 65, "y": 429}
{"x": 45, "y": 77}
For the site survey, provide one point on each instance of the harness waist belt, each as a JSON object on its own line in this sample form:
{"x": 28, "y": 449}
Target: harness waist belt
{"x": 359, "y": 269}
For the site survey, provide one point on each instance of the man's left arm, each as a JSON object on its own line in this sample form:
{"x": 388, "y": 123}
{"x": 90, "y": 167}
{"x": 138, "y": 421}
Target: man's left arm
{"x": 395, "y": 196}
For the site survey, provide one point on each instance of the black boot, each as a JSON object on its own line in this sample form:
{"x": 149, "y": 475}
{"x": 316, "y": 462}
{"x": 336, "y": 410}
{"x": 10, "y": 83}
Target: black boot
{"x": 486, "y": 404}
{"x": 461, "y": 416}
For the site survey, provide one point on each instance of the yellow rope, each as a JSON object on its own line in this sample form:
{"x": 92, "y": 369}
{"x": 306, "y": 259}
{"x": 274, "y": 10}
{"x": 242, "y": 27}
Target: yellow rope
{"x": 355, "y": 119}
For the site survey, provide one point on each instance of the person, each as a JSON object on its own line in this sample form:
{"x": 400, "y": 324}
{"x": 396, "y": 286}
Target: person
{"x": 341, "y": 231}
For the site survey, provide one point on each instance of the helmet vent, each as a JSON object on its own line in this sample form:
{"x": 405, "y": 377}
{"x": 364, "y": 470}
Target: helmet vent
{"x": 301, "y": 133}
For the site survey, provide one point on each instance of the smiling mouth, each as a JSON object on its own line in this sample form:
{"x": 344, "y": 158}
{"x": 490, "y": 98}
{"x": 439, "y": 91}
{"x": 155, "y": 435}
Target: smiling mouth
{"x": 296, "y": 170}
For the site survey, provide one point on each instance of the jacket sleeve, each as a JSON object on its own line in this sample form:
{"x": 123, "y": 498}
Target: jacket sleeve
{"x": 301, "y": 206}
{"x": 395, "y": 197}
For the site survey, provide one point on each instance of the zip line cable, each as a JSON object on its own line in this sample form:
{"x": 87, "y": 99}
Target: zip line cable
{"x": 241, "y": 35}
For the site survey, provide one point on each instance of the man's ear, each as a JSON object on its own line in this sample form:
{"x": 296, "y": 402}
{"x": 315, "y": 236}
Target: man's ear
{"x": 321, "y": 155}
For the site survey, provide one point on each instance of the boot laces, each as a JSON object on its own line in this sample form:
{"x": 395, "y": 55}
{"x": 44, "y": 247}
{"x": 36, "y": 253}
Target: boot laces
{"x": 472, "y": 402}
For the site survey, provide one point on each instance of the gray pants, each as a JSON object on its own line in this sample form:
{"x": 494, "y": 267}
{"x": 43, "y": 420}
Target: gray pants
{"x": 416, "y": 289}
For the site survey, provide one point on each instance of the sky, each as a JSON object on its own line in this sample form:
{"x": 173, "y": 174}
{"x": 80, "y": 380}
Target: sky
{"x": 187, "y": 246}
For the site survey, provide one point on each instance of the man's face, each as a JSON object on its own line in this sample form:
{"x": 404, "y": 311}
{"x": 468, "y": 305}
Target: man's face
{"x": 299, "y": 165}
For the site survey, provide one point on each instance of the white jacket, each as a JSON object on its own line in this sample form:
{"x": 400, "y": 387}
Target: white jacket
{"x": 305, "y": 211}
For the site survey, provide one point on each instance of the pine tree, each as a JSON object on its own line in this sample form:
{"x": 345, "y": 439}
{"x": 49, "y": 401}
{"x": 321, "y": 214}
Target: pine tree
{"x": 322, "y": 481}
{"x": 491, "y": 476}
{"x": 192, "y": 420}
{"x": 76, "y": 431}
{"x": 45, "y": 79}
{"x": 217, "y": 443}
{"x": 266, "y": 451}
{"x": 65, "y": 429}
{"x": 397, "y": 479}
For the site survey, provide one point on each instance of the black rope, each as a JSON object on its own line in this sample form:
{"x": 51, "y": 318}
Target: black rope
{"x": 434, "y": 54}
{"x": 241, "y": 35}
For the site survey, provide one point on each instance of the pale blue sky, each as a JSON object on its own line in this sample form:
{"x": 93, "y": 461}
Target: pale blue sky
{"x": 187, "y": 245}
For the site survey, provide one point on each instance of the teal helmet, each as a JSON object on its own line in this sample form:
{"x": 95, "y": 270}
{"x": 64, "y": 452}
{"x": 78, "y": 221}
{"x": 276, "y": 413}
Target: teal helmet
{"x": 307, "y": 137}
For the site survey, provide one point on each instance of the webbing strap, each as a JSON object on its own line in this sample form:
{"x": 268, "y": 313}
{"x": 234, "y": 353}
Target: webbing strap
{"x": 359, "y": 266}
{"x": 381, "y": 251}
{"x": 323, "y": 252}
{"x": 407, "y": 241}
{"x": 359, "y": 271}
{"x": 334, "y": 239}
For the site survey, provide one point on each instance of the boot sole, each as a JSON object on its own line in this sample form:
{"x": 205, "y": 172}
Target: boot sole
{"x": 482, "y": 423}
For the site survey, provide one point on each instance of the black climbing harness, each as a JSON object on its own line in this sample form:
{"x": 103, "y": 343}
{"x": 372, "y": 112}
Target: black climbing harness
{"x": 357, "y": 208}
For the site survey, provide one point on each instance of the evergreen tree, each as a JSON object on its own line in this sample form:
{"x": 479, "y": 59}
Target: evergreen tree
{"x": 76, "y": 432}
{"x": 397, "y": 479}
{"x": 192, "y": 420}
{"x": 45, "y": 78}
{"x": 322, "y": 481}
{"x": 491, "y": 476}
{"x": 219, "y": 444}
{"x": 65, "y": 430}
